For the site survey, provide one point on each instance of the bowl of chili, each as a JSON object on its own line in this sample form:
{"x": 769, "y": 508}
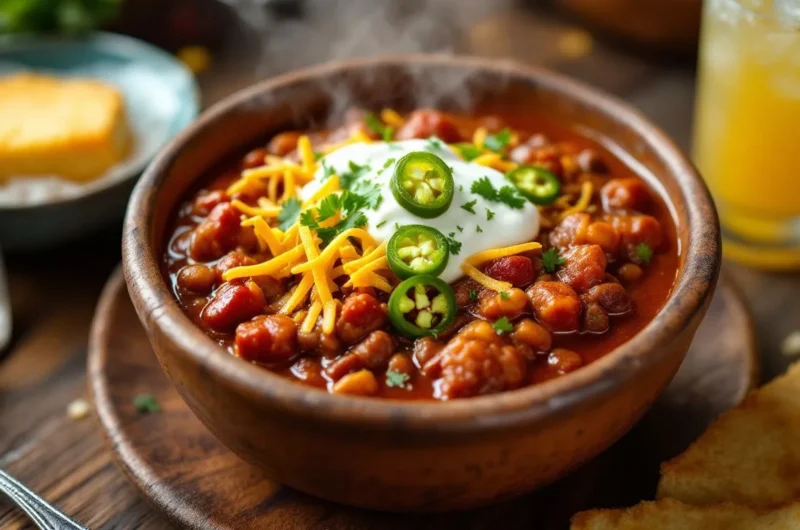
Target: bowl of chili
{"x": 409, "y": 366}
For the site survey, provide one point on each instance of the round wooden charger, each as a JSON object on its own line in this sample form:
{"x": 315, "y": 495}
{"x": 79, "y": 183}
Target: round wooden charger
{"x": 197, "y": 483}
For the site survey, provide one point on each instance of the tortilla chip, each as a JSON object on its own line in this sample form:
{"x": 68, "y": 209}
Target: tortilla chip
{"x": 669, "y": 514}
{"x": 750, "y": 455}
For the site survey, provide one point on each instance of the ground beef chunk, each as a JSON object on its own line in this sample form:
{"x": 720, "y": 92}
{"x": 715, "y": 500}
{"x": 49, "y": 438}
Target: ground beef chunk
{"x": 612, "y": 297}
{"x": 477, "y": 362}
{"x": 361, "y": 315}
{"x": 426, "y": 123}
{"x": 267, "y": 338}
{"x": 571, "y": 230}
{"x": 584, "y": 267}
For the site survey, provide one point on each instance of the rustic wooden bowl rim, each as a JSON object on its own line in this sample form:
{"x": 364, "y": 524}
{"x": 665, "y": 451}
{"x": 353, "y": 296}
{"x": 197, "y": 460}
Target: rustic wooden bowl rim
{"x": 693, "y": 287}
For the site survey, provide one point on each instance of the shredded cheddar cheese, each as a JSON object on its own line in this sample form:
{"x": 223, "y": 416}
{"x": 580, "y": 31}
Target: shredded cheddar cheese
{"x": 583, "y": 202}
{"x": 353, "y": 258}
{"x": 390, "y": 117}
{"x": 484, "y": 280}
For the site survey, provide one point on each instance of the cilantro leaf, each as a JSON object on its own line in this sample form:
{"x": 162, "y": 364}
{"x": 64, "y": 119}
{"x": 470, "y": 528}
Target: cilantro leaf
{"x": 503, "y": 325}
{"x": 483, "y": 187}
{"x": 396, "y": 379}
{"x": 551, "y": 260}
{"x": 435, "y": 143}
{"x": 644, "y": 253}
{"x": 473, "y": 295}
{"x": 468, "y": 151}
{"x": 328, "y": 207}
{"x": 289, "y": 213}
{"x": 318, "y": 155}
{"x": 327, "y": 171}
{"x": 504, "y": 295}
{"x": 146, "y": 403}
{"x": 348, "y": 178}
{"x": 509, "y": 196}
{"x": 479, "y": 229}
{"x": 381, "y": 224}
{"x": 470, "y": 206}
{"x": 454, "y": 246}
{"x": 460, "y": 229}
{"x": 375, "y": 125}
{"x": 496, "y": 142}
{"x": 489, "y": 214}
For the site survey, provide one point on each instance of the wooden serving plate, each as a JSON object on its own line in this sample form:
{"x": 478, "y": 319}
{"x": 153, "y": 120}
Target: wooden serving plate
{"x": 197, "y": 483}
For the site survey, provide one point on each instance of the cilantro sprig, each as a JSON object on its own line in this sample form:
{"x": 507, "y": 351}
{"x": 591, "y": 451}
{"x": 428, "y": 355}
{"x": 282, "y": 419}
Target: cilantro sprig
{"x": 470, "y": 206}
{"x": 396, "y": 379}
{"x": 497, "y": 142}
{"x": 507, "y": 195}
{"x": 502, "y": 325}
{"x": 372, "y": 122}
{"x": 146, "y": 403}
{"x": 453, "y": 245}
{"x": 551, "y": 260}
{"x": 348, "y": 203}
{"x": 644, "y": 253}
{"x": 290, "y": 212}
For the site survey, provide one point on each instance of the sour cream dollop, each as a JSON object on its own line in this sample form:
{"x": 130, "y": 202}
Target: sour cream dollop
{"x": 493, "y": 225}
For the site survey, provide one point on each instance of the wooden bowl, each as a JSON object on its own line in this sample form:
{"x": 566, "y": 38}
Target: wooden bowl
{"x": 404, "y": 456}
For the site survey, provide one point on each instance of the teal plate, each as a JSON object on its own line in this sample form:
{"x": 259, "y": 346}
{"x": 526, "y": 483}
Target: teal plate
{"x": 161, "y": 98}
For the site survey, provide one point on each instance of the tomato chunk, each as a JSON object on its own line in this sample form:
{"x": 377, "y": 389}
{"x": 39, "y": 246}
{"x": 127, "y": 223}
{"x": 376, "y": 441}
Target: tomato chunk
{"x": 516, "y": 270}
{"x": 267, "y": 339}
{"x": 585, "y": 267}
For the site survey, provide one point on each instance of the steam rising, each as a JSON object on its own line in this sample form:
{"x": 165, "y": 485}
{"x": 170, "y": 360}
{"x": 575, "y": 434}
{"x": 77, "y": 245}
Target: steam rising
{"x": 323, "y": 31}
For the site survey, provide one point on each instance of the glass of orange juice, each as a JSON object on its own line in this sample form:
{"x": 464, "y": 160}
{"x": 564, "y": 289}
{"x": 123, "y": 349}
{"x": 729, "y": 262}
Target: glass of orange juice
{"x": 747, "y": 126}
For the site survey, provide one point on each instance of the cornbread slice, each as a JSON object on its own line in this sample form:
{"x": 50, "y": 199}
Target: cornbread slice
{"x": 669, "y": 514}
{"x": 74, "y": 128}
{"x": 750, "y": 455}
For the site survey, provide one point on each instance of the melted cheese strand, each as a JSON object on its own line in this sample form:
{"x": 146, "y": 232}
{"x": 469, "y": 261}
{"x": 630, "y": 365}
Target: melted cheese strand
{"x": 486, "y": 281}
{"x": 583, "y": 202}
{"x": 266, "y": 268}
{"x": 487, "y": 255}
{"x": 298, "y": 294}
{"x": 311, "y": 318}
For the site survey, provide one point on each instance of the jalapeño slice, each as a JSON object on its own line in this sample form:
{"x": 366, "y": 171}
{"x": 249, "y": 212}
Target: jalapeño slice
{"x": 417, "y": 249}
{"x": 423, "y": 184}
{"x": 422, "y": 306}
{"x": 537, "y": 184}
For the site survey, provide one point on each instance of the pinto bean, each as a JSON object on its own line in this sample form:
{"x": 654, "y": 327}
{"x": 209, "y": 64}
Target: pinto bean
{"x": 401, "y": 363}
{"x": 324, "y": 344}
{"x": 625, "y": 194}
{"x": 197, "y": 278}
{"x": 610, "y": 296}
{"x": 556, "y": 305}
{"x": 375, "y": 350}
{"x": 233, "y": 259}
{"x": 267, "y": 338}
{"x": 510, "y": 304}
{"x": 531, "y": 334}
{"x": 283, "y": 143}
{"x": 595, "y": 319}
{"x": 232, "y": 304}
{"x": 564, "y": 361}
{"x": 206, "y": 202}
{"x": 309, "y": 371}
{"x": 630, "y": 272}
{"x": 361, "y": 383}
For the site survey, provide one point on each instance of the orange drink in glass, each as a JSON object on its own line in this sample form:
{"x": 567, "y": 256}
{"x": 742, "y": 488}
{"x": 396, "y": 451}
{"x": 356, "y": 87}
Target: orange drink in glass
{"x": 747, "y": 126}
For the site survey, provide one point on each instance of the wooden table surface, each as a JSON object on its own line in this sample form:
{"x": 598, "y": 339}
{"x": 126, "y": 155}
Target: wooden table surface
{"x": 54, "y": 292}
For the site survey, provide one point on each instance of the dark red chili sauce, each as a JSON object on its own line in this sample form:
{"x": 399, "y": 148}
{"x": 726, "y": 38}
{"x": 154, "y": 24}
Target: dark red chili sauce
{"x": 618, "y": 262}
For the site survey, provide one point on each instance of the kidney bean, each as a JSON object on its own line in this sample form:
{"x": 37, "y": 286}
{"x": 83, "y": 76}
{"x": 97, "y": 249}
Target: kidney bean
{"x": 231, "y": 305}
{"x": 267, "y": 338}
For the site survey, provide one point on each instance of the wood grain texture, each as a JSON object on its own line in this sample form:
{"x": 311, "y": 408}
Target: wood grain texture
{"x": 185, "y": 472}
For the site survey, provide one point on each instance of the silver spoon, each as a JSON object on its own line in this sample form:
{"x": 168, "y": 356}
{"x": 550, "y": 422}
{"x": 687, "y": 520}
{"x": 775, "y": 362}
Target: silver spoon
{"x": 41, "y": 513}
